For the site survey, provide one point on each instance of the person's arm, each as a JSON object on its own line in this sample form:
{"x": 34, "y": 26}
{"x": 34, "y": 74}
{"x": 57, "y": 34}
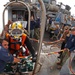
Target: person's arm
{"x": 16, "y": 60}
{"x": 29, "y": 46}
{"x": 62, "y": 37}
{"x": 6, "y": 57}
{"x": 72, "y": 49}
{"x": 9, "y": 22}
{"x": 6, "y": 27}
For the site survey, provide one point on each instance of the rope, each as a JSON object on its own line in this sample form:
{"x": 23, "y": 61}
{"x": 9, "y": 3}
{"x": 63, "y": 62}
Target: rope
{"x": 55, "y": 52}
{"x": 58, "y": 41}
{"x": 49, "y": 43}
{"x": 70, "y": 67}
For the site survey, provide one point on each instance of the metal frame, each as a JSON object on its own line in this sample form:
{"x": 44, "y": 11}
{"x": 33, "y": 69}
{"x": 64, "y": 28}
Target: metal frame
{"x": 43, "y": 20}
{"x": 23, "y": 3}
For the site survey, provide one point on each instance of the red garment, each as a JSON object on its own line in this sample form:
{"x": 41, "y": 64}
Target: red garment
{"x": 15, "y": 47}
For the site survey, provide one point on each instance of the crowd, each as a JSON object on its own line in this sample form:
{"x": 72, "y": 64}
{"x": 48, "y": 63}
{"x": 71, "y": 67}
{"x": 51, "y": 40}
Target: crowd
{"x": 11, "y": 43}
{"x": 66, "y": 35}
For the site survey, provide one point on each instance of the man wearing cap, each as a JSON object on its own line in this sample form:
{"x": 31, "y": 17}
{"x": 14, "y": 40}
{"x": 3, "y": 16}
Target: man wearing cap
{"x": 70, "y": 44}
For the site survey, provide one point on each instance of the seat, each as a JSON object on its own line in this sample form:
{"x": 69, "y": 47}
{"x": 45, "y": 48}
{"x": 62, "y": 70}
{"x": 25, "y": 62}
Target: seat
{"x": 56, "y": 35}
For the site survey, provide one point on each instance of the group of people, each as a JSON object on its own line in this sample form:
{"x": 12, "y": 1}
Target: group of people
{"x": 67, "y": 36}
{"x": 68, "y": 44}
{"x": 12, "y": 43}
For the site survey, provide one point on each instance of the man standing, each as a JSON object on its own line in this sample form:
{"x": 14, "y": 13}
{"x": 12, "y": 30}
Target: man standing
{"x": 70, "y": 44}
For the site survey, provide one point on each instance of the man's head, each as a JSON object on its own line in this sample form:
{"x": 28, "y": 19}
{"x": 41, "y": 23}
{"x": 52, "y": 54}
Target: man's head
{"x": 73, "y": 30}
{"x": 5, "y": 43}
{"x": 66, "y": 29}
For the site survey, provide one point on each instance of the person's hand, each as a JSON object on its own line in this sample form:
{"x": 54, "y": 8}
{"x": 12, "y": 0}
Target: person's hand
{"x": 65, "y": 49}
{"x": 9, "y": 22}
{"x": 16, "y": 60}
{"x": 61, "y": 39}
{"x": 68, "y": 35}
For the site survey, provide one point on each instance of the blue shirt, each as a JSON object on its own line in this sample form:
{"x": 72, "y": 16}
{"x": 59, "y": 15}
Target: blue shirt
{"x": 32, "y": 25}
{"x": 37, "y": 23}
{"x": 70, "y": 44}
{"x": 5, "y": 57}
